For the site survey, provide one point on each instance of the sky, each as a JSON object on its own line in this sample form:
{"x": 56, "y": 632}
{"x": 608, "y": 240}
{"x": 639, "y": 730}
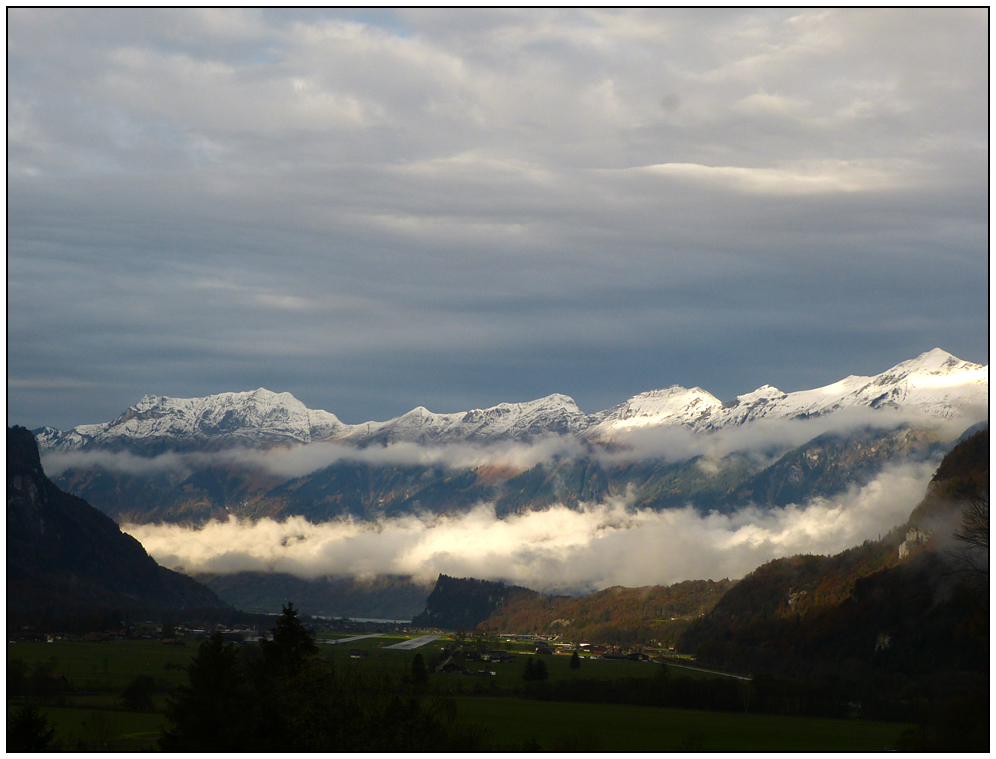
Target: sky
{"x": 376, "y": 210}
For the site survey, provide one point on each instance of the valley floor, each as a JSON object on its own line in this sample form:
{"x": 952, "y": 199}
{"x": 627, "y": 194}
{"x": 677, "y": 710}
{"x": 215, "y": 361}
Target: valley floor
{"x": 90, "y": 715}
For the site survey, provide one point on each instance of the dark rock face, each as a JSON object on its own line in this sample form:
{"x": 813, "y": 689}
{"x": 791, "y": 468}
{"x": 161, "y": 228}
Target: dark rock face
{"x": 462, "y": 604}
{"x": 65, "y": 556}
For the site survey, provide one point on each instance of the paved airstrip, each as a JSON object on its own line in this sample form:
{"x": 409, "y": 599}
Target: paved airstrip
{"x": 350, "y": 640}
{"x": 408, "y": 645}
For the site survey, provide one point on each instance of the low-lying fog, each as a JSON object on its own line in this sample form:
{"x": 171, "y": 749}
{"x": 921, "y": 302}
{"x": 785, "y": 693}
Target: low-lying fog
{"x": 764, "y": 439}
{"x": 557, "y": 549}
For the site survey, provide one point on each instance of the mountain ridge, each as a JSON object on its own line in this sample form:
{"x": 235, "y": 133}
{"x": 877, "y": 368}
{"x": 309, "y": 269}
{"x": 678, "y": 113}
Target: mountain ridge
{"x": 934, "y": 384}
{"x": 64, "y": 555}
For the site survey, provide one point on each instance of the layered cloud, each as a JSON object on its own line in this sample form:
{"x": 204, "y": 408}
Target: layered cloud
{"x": 763, "y": 439}
{"x": 768, "y": 438}
{"x": 558, "y": 549}
{"x": 300, "y": 460}
{"x": 375, "y": 209}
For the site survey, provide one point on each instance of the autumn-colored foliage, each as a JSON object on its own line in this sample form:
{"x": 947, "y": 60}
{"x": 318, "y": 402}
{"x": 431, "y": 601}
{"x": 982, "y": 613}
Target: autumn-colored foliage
{"x": 619, "y": 616}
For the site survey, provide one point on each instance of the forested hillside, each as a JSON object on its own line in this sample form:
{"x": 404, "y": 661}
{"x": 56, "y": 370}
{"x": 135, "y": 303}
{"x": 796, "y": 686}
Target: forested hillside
{"x": 619, "y": 616}
{"x": 905, "y": 617}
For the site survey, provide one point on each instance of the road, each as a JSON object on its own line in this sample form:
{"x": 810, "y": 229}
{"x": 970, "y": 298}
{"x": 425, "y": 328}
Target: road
{"x": 710, "y": 671}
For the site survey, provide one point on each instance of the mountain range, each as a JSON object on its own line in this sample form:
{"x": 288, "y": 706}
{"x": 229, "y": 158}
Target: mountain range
{"x": 935, "y": 384}
{"x": 192, "y": 460}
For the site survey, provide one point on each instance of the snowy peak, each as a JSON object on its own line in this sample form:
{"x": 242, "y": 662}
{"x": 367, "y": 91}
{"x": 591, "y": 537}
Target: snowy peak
{"x": 934, "y": 361}
{"x": 259, "y": 416}
{"x": 765, "y": 392}
{"x": 935, "y": 368}
{"x": 675, "y": 405}
{"x": 552, "y": 415}
{"x": 935, "y": 384}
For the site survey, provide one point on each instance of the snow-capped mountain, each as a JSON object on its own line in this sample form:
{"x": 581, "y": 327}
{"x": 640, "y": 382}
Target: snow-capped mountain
{"x": 554, "y": 414}
{"x": 935, "y": 383}
{"x": 259, "y": 417}
{"x": 672, "y": 406}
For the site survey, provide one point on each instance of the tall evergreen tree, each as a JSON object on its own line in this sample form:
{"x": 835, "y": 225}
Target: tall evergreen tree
{"x": 530, "y": 672}
{"x": 29, "y": 730}
{"x": 291, "y": 643}
{"x": 420, "y": 676}
{"x": 210, "y": 713}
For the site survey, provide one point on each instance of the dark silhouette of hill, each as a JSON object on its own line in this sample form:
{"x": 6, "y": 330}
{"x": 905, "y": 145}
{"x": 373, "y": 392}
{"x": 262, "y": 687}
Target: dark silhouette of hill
{"x": 383, "y": 597}
{"x": 899, "y": 621}
{"x": 65, "y": 557}
{"x": 463, "y": 603}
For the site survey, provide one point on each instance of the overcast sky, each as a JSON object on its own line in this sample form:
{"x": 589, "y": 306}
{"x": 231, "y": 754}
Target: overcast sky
{"x": 379, "y": 210}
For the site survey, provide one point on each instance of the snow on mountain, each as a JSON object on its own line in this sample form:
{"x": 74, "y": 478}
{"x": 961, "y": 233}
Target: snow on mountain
{"x": 554, "y": 414}
{"x": 672, "y": 406}
{"x": 935, "y": 383}
{"x": 256, "y": 417}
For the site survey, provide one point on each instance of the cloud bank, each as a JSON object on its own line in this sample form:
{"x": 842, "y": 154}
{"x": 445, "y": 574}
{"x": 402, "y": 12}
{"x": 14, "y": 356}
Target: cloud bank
{"x": 764, "y": 439}
{"x": 300, "y": 460}
{"x": 557, "y": 549}
{"x": 768, "y": 438}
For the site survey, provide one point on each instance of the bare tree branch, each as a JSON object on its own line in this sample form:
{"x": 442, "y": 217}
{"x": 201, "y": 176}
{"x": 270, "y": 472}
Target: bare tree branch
{"x": 974, "y": 536}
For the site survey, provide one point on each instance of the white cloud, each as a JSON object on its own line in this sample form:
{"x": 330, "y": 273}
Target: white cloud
{"x": 557, "y": 549}
{"x": 299, "y": 460}
{"x": 801, "y": 179}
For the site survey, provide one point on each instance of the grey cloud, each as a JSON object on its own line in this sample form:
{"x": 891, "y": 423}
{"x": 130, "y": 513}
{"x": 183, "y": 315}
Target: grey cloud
{"x": 198, "y": 198}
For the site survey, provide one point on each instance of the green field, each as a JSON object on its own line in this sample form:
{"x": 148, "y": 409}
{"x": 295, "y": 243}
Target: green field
{"x": 512, "y": 722}
{"x": 90, "y": 716}
{"x": 104, "y": 730}
{"x": 110, "y": 665}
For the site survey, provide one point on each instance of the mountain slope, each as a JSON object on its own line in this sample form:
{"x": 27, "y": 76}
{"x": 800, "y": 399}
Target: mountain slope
{"x": 64, "y": 555}
{"x": 886, "y": 604}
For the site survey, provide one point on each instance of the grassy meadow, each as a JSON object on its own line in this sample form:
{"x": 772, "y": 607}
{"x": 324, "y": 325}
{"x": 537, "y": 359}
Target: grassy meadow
{"x": 90, "y": 716}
